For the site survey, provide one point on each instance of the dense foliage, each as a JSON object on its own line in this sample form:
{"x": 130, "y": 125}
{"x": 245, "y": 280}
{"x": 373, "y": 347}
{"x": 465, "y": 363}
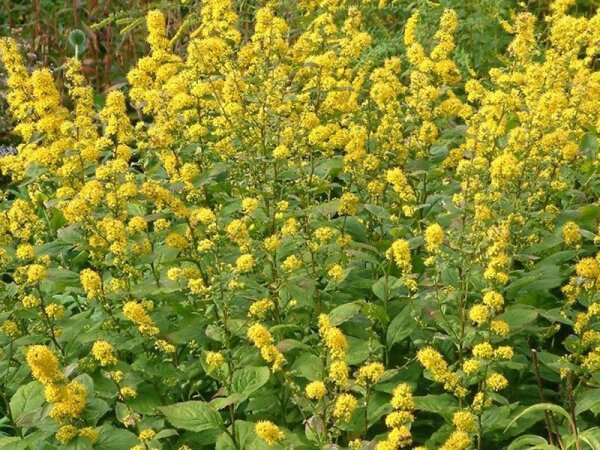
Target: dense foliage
{"x": 282, "y": 236}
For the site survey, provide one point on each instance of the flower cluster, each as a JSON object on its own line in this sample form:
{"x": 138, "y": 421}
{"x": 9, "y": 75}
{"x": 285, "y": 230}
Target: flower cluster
{"x": 279, "y": 231}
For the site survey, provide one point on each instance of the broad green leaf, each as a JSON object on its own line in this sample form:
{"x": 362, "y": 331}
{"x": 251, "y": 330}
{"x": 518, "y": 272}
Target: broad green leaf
{"x": 442, "y": 404}
{"x": 539, "y": 408}
{"x": 343, "y": 313}
{"x": 111, "y": 438}
{"x": 193, "y": 416}
{"x": 27, "y": 399}
{"x": 586, "y": 400}
{"x": 526, "y": 442}
{"x": 401, "y": 326}
{"x": 248, "y": 380}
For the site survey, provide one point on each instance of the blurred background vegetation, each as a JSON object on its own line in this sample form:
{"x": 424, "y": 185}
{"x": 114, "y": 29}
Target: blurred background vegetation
{"x": 109, "y": 35}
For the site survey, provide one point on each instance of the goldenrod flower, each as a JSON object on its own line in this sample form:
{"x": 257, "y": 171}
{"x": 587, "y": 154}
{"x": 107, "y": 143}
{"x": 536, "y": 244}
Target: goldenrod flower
{"x": 496, "y": 382}
{"x": 91, "y": 283}
{"x": 464, "y": 421}
{"x": 315, "y": 390}
{"x": 36, "y": 273}
{"x": 269, "y": 432}
{"x": 345, "y": 404}
{"x": 104, "y": 353}
{"x": 434, "y": 237}
{"x": 370, "y": 373}
{"x": 44, "y": 364}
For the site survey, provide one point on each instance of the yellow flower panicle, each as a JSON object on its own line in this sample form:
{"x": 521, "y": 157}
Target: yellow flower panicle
{"x": 104, "y": 353}
{"x": 136, "y": 313}
{"x": 262, "y": 338}
{"x": 269, "y": 432}
{"x": 43, "y": 363}
{"x": 345, "y": 404}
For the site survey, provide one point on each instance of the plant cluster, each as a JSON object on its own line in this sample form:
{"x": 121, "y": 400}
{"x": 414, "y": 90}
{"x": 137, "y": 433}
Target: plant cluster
{"x": 276, "y": 240}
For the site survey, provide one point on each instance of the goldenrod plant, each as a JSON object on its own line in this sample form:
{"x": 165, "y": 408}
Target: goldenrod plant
{"x": 271, "y": 237}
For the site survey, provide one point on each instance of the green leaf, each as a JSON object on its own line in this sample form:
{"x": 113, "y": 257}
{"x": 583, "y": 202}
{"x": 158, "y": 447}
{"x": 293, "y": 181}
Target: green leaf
{"x": 11, "y": 443}
{"x": 443, "y": 404}
{"x": 248, "y": 380}
{"x": 526, "y": 442}
{"x": 401, "y": 326}
{"x": 309, "y": 366}
{"x": 27, "y": 399}
{"x": 193, "y": 416}
{"x": 542, "y": 407}
{"x": 95, "y": 409}
{"x": 343, "y": 313}
{"x": 111, "y": 438}
{"x": 79, "y": 443}
{"x": 586, "y": 400}
{"x": 382, "y": 288}
{"x": 518, "y": 316}
{"x": 590, "y": 439}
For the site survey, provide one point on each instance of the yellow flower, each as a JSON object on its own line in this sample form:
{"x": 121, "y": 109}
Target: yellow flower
{"x": 370, "y": 373}
{"x": 269, "y": 432}
{"x": 147, "y": 435}
{"x": 336, "y": 342}
{"x": 588, "y": 268}
{"x": 398, "y": 418}
{"x": 458, "y": 440}
{"x": 91, "y": 283}
{"x": 259, "y": 335}
{"x": 402, "y": 398}
{"x": 483, "y": 350}
{"x": 10, "y": 328}
{"x": 496, "y": 382}
{"x": 479, "y": 314}
{"x": 348, "y": 204}
{"x": 500, "y": 327}
{"x": 30, "y": 301}
{"x": 137, "y": 224}
{"x": 249, "y": 205}
{"x": 435, "y": 363}
{"x": 104, "y": 353}
{"x": 43, "y": 364}
{"x": 399, "y": 183}
{"x": 137, "y": 313}
{"x": 345, "y": 404}
{"x": 494, "y": 300}
{"x": 214, "y": 359}
{"x": 315, "y": 390}
{"x": 291, "y": 263}
{"x": 281, "y": 152}
{"x": 54, "y": 311}
{"x": 434, "y": 237}
{"x": 504, "y": 352}
{"x": 36, "y": 273}
{"x": 197, "y": 286}
{"x": 66, "y": 433}
{"x": 336, "y": 272}
{"x": 471, "y": 366}
{"x": 272, "y": 243}
{"x": 571, "y": 234}
{"x": 71, "y": 402}
{"x": 464, "y": 421}
{"x": 399, "y": 252}
{"x": 244, "y": 263}
{"x": 25, "y": 251}
{"x": 128, "y": 392}
{"x": 273, "y": 356}
{"x": 260, "y": 308}
{"x": 339, "y": 372}
{"x": 91, "y": 434}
